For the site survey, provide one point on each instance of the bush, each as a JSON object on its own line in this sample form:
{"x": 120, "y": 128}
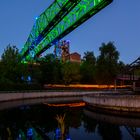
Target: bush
{"x": 19, "y": 87}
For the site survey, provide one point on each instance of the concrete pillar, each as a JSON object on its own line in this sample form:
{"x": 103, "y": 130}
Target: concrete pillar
{"x": 134, "y": 85}
{"x": 115, "y": 84}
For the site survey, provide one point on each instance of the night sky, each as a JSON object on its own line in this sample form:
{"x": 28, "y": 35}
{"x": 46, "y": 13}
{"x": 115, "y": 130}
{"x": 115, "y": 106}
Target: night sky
{"x": 119, "y": 22}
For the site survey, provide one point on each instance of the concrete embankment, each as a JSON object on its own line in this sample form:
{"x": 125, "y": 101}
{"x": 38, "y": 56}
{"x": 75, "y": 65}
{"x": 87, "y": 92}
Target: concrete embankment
{"x": 49, "y": 94}
{"x": 102, "y": 99}
{"x": 36, "y": 94}
{"x": 114, "y": 102}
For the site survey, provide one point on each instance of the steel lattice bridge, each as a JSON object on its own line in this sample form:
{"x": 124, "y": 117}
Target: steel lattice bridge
{"x": 135, "y": 64}
{"x": 59, "y": 19}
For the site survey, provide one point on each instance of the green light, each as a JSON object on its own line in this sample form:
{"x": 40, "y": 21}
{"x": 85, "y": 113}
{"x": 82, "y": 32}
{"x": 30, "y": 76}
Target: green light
{"x": 80, "y": 10}
{"x": 75, "y": 17}
{"x": 42, "y": 21}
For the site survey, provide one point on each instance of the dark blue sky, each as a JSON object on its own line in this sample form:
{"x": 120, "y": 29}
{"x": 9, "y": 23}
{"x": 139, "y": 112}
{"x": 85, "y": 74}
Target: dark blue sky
{"x": 119, "y": 22}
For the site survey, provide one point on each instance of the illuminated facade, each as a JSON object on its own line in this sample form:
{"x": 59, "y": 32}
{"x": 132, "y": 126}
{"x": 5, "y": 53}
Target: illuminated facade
{"x": 75, "y": 57}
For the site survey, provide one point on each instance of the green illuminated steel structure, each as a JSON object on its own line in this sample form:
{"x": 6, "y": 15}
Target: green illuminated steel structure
{"x": 59, "y": 19}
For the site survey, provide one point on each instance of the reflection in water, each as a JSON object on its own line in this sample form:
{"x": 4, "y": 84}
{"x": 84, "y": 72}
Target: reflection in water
{"x": 61, "y": 125}
{"x": 116, "y": 120}
{"x": 109, "y": 131}
{"x": 42, "y": 122}
{"x": 109, "y": 126}
{"x": 61, "y": 133}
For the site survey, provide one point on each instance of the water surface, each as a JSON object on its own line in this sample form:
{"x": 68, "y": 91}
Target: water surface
{"x": 43, "y": 122}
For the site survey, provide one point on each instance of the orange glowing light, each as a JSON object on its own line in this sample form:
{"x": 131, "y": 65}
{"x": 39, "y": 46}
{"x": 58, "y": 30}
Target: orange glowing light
{"x": 80, "y": 104}
{"x": 86, "y": 86}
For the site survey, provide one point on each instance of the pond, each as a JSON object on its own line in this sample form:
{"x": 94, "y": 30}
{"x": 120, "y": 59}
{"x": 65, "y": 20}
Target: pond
{"x": 43, "y": 121}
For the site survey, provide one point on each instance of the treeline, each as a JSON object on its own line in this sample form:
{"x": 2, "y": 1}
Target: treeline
{"x": 92, "y": 70}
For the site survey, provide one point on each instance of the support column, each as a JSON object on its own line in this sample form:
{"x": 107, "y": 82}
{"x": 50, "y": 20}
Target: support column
{"x": 134, "y": 85}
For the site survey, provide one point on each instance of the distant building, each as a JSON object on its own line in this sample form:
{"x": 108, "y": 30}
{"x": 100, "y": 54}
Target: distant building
{"x": 75, "y": 57}
{"x": 62, "y": 52}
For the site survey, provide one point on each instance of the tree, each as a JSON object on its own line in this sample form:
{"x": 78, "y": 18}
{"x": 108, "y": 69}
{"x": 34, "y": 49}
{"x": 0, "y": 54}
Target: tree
{"x": 107, "y": 64}
{"x": 87, "y": 68}
{"x": 46, "y": 67}
{"x": 89, "y": 57}
{"x": 109, "y": 131}
{"x": 11, "y": 65}
{"x": 71, "y": 73}
{"x": 51, "y": 70}
{"x": 57, "y": 73}
{"x": 122, "y": 68}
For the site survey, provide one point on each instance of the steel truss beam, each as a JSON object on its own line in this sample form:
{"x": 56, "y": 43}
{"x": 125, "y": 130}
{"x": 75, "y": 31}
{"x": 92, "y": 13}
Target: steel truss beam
{"x": 46, "y": 22}
{"x": 135, "y": 64}
{"x": 67, "y": 16}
